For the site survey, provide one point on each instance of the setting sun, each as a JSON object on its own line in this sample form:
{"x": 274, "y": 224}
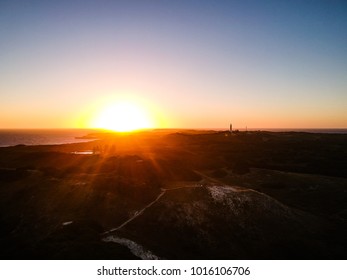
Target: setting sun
{"x": 122, "y": 117}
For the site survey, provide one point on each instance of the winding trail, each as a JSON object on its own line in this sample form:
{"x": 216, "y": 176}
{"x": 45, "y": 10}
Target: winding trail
{"x": 163, "y": 191}
{"x": 140, "y": 212}
{"x": 137, "y": 213}
{"x": 218, "y": 191}
{"x": 137, "y": 249}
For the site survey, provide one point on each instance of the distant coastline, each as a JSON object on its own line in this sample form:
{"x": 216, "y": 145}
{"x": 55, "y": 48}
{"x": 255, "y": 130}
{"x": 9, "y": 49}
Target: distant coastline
{"x": 31, "y": 137}
{"x": 13, "y": 137}
{"x": 243, "y": 129}
{"x": 308, "y": 130}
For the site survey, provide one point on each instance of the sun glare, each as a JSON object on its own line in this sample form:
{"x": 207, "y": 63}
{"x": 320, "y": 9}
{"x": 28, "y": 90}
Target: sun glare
{"x": 122, "y": 117}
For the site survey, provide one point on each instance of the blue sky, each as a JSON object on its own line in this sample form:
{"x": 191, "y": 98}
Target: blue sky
{"x": 197, "y": 63}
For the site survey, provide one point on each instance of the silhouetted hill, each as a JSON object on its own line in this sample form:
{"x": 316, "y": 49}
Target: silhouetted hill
{"x": 176, "y": 195}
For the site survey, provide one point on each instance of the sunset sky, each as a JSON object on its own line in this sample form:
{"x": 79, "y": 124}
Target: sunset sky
{"x": 187, "y": 64}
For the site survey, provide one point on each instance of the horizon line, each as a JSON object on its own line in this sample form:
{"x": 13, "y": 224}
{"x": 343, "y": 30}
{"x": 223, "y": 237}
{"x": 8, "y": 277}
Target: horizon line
{"x": 174, "y": 128}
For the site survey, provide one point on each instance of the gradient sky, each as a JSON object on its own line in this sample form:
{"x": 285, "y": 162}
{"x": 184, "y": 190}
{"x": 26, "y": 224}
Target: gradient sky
{"x": 197, "y": 64}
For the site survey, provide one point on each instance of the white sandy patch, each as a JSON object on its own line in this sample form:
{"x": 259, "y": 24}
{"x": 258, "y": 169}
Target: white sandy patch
{"x": 220, "y": 193}
{"x": 135, "y": 248}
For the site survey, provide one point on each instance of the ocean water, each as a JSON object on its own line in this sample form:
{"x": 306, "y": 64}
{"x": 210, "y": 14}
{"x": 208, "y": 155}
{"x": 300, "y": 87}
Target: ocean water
{"x": 12, "y": 137}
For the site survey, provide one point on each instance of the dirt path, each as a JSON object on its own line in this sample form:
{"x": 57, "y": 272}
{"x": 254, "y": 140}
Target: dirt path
{"x": 137, "y": 249}
{"x": 137, "y": 213}
{"x": 140, "y": 212}
{"x": 163, "y": 191}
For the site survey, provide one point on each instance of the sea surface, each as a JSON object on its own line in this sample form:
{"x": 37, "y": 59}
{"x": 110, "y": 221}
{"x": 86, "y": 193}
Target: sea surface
{"x": 12, "y": 137}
